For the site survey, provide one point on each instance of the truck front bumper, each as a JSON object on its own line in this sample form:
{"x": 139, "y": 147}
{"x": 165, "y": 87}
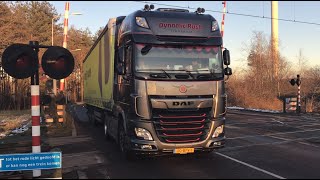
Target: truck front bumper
{"x": 157, "y": 147}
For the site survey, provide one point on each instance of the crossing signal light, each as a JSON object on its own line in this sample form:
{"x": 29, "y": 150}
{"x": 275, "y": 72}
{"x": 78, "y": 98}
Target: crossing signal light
{"x": 292, "y": 82}
{"x": 20, "y": 61}
{"x": 298, "y": 80}
{"x": 57, "y": 62}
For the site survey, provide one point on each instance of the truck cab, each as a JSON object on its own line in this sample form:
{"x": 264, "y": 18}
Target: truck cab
{"x": 168, "y": 93}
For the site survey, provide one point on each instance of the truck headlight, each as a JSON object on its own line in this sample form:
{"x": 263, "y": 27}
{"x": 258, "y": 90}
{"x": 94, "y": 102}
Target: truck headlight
{"x": 143, "y": 133}
{"x": 218, "y": 131}
{"x": 142, "y": 22}
{"x": 215, "y": 26}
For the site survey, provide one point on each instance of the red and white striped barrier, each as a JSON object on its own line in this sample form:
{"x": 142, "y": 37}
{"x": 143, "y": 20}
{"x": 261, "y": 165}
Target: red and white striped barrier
{"x": 65, "y": 35}
{"x": 35, "y": 113}
{"x": 65, "y": 30}
{"x": 61, "y": 84}
{"x": 223, "y": 16}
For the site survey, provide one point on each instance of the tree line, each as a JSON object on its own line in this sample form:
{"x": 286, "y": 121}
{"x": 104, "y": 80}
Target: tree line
{"x": 255, "y": 86}
{"x": 24, "y": 21}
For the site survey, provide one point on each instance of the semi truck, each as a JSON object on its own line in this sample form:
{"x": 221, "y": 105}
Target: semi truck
{"x": 155, "y": 80}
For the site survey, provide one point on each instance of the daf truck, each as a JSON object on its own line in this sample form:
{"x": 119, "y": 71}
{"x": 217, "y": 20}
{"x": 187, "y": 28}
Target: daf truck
{"x": 155, "y": 79}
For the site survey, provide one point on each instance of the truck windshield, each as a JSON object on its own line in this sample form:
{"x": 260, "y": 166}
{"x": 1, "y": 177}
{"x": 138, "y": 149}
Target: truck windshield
{"x": 194, "y": 59}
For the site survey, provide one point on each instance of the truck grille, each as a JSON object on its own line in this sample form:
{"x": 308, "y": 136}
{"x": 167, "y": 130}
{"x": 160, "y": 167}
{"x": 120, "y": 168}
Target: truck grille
{"x": 181, "y": 126}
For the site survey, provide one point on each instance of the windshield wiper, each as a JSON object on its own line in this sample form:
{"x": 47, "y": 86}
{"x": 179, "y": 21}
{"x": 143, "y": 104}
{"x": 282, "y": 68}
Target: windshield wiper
{"x": 189, "y": 72}
{"x": 203, "y": 75}
{"x": 145, "y": 50}
{"x": 165, "y": 72}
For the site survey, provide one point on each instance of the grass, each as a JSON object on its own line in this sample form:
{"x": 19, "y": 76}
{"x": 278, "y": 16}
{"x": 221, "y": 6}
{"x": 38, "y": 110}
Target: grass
{"x": 14, "y": 113}
{"x": 11, "y": 120}
{"x": 14, "y": 119}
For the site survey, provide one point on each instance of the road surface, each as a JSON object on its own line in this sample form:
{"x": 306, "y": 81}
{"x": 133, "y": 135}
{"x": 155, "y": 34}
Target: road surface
{"x": 259, "y": 145}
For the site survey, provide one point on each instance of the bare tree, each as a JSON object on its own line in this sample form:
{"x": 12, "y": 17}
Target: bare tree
{"x": 257, "y": 88}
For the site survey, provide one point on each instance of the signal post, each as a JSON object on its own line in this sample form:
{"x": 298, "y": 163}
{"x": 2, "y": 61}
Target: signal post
{"x": 298, "y": 82}
{"x": 21, "y": 61}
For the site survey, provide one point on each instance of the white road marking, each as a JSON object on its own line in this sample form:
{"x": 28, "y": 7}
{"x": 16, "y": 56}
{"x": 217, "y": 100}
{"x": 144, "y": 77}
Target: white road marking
{"x": 54, "y": 178}
{"x": 80, "y": 154}
{"x": 273, "y": 143}
{"x": 304, "y": 143}
{"x": 251, "y": 166}
{"x": 277, "y": 121}
{"x": 272, "y": 134}
{"x": 314, "y": 124}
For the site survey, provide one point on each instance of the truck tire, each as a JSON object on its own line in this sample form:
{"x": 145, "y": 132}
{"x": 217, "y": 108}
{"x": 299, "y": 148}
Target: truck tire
{"x": 128, "y": 155}
{"x": 106, "y": 129}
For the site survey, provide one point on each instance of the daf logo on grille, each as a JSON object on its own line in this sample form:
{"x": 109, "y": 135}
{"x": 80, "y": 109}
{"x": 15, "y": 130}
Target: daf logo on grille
{"x": 183, "y": 88}
{"x": 183, "y": 103}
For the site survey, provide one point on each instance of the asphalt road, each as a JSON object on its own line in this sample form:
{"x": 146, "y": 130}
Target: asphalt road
{"x": 259, "y": 145}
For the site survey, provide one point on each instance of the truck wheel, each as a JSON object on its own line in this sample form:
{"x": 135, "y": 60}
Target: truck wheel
{"x": 128, "y": 155}
{"x": 106, "y": 130}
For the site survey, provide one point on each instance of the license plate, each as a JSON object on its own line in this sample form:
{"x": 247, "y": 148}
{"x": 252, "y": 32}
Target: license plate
{"x": 183, "y": 150}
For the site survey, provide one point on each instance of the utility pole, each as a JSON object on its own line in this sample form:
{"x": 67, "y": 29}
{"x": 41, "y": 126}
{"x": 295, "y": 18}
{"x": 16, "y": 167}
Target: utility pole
{"x": 223, "y": 17}
{"x": 63, "y": 83}
{"x": 54, "y": 80}
{"x": 274, "y": 42}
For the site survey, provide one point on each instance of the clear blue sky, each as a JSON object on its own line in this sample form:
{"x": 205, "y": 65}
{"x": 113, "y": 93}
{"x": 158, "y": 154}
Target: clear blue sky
{"x": 238, "y": 29}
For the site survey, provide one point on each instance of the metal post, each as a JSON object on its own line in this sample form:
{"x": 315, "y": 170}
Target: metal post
{"x": 299, "y": 101}
{"x": 299, "y": 98}
{"x": 54, "y": 80}
{"x": 274, "y": 37}
{"x": 223, "y": 17}
{"x": 35, "y": 111}
{"x": 63, "y": 82}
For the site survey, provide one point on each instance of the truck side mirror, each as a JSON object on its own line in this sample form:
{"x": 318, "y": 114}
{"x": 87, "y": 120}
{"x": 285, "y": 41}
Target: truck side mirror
{"x": 227, "y": 71}
{"x": 226, "y": 57}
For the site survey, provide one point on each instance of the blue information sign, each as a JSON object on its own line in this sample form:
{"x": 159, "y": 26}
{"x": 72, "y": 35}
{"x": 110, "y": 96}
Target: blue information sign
{"x": 30, "y": 161}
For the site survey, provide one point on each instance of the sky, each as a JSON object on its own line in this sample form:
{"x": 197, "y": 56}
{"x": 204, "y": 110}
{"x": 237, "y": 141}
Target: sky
{"x": 293, "y": 36}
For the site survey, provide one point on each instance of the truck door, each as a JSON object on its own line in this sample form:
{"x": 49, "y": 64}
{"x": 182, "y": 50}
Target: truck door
{"x": 125, "y": 81}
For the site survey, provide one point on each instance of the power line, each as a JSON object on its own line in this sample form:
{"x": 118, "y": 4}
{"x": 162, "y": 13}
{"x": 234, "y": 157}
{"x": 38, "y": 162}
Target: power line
{"x": 233, "y": 13}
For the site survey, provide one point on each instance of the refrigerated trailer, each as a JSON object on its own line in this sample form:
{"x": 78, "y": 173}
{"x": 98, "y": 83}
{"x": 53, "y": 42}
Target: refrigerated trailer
{"x": 155, "y": 80}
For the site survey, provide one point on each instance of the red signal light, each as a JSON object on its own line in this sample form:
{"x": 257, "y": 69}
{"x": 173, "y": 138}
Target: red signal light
{"x": 20, "y": 61}
{"x": 57, "y": 62}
